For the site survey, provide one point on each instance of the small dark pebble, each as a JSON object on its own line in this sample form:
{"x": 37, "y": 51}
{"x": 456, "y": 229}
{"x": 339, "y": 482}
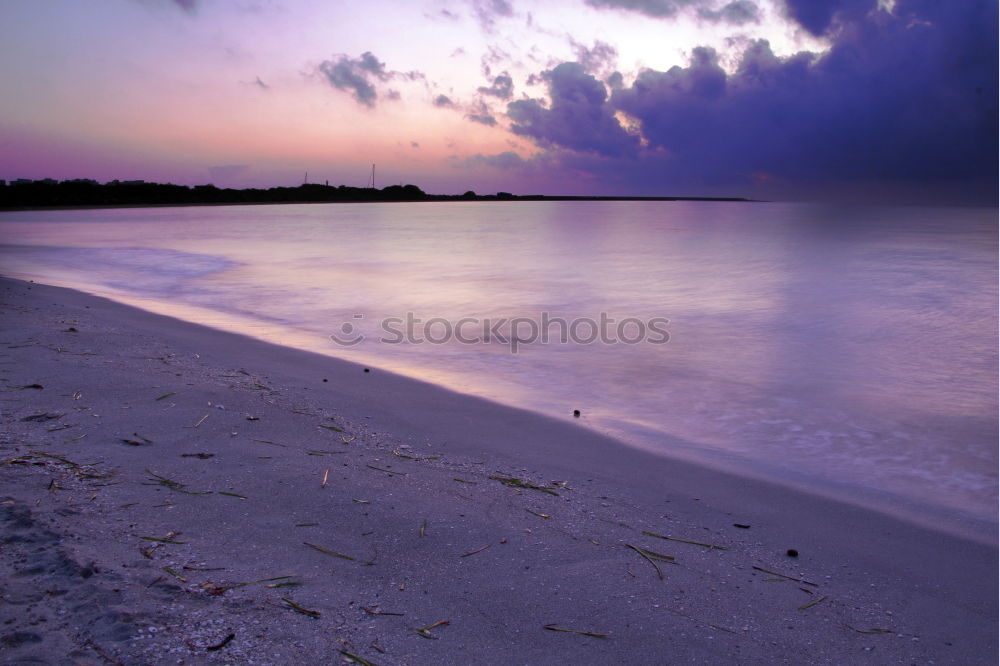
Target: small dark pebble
{"x": 326, "y": 380}
{"x": 33, "y": 386}
{"x": 576, "y": 413}
{"x": 741, "y": 526}
{"x": 367, "y": 370}
{"x": 71, "y": 329}
{"x": 792, "y": 552}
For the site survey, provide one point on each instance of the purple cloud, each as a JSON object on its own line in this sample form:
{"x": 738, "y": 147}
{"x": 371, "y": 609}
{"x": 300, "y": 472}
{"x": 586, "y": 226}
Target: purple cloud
{"x": 480, "y": 113}
{"x": 360, "y": 75}
{"x": 902, "y": 97}
{"x": 655, "y": 8}
{"x": 488, "y": 11}
{"x": 502, "y": 87}
{"x": 579, "y": 116}
{"x": 738, "y": 12}
{"x": 356, "y": 75}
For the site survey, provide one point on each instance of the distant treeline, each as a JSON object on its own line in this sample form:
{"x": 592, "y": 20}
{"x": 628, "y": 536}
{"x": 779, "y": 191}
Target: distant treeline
{"x": 137, "y": 193}
{"x": 71, "y": 193}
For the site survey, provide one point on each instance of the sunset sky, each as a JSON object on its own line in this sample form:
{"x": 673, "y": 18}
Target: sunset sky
{"x": 813, "y": 99}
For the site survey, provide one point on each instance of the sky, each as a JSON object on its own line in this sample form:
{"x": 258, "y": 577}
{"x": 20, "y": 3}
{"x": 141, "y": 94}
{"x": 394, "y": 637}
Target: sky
{"x": 837, "y": 100}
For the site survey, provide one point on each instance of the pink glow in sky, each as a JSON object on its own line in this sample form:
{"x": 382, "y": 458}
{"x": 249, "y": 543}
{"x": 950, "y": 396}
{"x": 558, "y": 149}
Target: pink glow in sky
{"x": 744, "y": 97}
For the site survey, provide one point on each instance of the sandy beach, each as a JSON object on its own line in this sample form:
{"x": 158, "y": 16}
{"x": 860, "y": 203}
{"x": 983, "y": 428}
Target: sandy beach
{"x": 173, "y": 494}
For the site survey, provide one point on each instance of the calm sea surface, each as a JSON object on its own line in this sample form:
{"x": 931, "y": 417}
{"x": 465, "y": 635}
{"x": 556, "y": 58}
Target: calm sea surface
{"x": 851, "y": 350}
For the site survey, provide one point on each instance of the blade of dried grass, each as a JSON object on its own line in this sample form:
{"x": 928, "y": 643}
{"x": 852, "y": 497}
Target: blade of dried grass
{"x": 329, "y": 552}
{"x": 552, "y": 627}
{"x": 813, "y": 603}
{"x": 693, "y": 543}
{"x": 300, "y": 609}
{"x": 775, "y": 573}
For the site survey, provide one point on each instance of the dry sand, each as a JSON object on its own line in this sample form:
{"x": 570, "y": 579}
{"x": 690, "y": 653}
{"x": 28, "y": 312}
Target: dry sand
{"x": 171, "y": 494}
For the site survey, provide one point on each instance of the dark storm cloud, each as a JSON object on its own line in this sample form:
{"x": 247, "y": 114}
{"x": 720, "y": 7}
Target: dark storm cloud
{"x": 444, "y": 102}
{"x": 578, "y": 117}
{"x": 816, "y": 16}
{"x": 903, "y": 97}
{"x": 502, "y": 87}
{"x": 360, "y": 75}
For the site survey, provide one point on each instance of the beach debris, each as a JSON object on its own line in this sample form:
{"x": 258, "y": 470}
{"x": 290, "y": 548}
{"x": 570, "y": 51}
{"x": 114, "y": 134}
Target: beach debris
{"x": 175, "y": 574}
{"x": 791, "y": 552}
{"x": 31, "y": 386}
{"x": 353, "y": 657}
{"x": 333, "y": 428}
{"x": 544, "y": 516}
{"x": 200, "y": 456}
{"x": 221, "y": 644}
{"x": 387, "y": 471}
{"x": 741, "y": 526}
{"x": 75, "y": 439}
{"x": 253, "y": 418}
{"x": 329, "y": 552}
{"x": 300, "y": 609}
{"x": 306, "y": 524}
{"x": 477, "y": 550}
{"x": 145, "y": 439}
{"x": 710, "y": 546}
{"x": 77, "y": 394}
{"x": 781, "y": 575}
{"x": 423, "y": 528}
{"x": 425, "y": 632}
{"x": 576, "y": 413}
{"x": 361, "y": 501}
{"x": 813, "y": 603}
{"x": 552, "y": 627}
{"x": 219, "y": 407}
{"x": 167, "y": 539}
{"x": 267, "y": 441}
{"x": 200, "y": 421}
{"x": 223, "y": 492}
{"x": 514, "y": 482}
{"x": 873, "y": 630}
{"x": 71, "y": 329}
{"x": 348, "y": 441}
{"x": 326, "y": 477}
{"x": 166, "y": 395}
{"x": 176, "y": 486}
{"x": 131, "y": 442}
{"x": 652, "y": 557}
{"x": 45, "y": 416}
{"x": 464, "y": 481}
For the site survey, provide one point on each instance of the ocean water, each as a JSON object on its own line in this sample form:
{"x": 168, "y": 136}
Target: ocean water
{"x": 851, "y": 350}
